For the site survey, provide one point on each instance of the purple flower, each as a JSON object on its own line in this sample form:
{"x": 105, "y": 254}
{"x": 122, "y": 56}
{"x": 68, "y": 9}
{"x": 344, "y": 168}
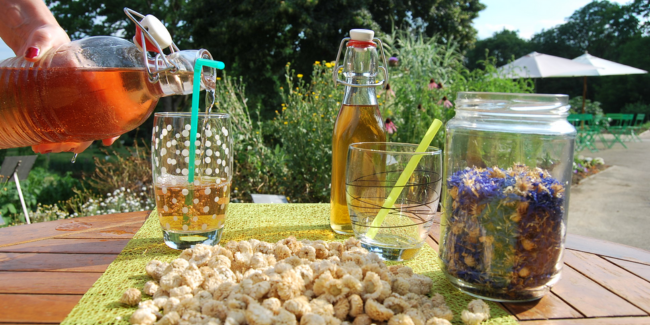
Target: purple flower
{"x": 390, "y": 126}
{"x": 393, "y": 61}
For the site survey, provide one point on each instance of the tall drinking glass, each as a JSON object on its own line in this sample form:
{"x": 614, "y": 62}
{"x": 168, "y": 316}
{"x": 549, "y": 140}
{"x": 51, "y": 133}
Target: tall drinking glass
{"x": 373, "y": 168}
{"x": 191, "y": 212}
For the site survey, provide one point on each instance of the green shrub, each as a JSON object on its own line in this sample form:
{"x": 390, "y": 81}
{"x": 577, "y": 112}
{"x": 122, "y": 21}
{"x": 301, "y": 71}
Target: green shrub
{"x": 254, "y": 163}
{"x": 41, "y": 187}
{"x": 637, "y": 108}
{"x": 430, "y": 74}
{"x": 590, "y": 107}
{"x": 302, "y": 133}
{"x": 293, "y": 158}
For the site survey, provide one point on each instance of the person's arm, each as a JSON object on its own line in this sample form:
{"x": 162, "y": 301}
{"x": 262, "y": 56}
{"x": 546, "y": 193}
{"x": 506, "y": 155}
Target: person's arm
{"x": 29, "y": 28}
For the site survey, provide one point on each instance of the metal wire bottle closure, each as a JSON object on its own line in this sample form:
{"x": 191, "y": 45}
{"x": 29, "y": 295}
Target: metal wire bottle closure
{"x": 169, "y": 65}
{"x": 335, "y": 73}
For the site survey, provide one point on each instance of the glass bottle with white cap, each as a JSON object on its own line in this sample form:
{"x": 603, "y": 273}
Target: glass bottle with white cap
{"x": 359, "y": 119}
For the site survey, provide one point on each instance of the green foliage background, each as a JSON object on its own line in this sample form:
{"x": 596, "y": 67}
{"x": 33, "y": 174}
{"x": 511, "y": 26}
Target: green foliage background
{"x": 290, "y": 154}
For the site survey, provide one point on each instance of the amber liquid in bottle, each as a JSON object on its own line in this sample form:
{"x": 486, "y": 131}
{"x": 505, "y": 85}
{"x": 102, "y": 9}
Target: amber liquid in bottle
{"x": 72, "y": 104}
{"x": 355, "y": 123}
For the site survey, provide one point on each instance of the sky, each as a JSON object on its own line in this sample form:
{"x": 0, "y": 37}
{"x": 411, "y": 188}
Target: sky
{"x": 526, "y": 16}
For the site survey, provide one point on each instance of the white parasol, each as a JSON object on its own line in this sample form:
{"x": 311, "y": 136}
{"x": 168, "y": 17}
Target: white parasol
{"x": 603, "y": 68}
{"x": 538, "y": 65}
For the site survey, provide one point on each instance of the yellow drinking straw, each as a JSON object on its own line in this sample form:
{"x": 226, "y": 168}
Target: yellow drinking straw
{"x": 401, "y": 181}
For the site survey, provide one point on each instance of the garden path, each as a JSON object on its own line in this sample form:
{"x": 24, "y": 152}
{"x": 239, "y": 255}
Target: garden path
{"x": 614, "y": 205}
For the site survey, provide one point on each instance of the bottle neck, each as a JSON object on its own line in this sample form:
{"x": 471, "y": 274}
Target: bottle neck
{"x": 360, "y": 96}
{"x": 360, "y": 68}
{"x": 181, "y": 81}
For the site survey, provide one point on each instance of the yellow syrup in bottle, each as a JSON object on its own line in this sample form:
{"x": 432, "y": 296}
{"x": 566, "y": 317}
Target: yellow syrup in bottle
{"x": 355, "y": 123}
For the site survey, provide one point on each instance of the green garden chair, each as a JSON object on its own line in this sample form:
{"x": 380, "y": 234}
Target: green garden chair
{"x": 619, "y": 127}
{"x": 586, "y": 131}
{"x": 636, "y": 127}
{"x": 599, "y": 126}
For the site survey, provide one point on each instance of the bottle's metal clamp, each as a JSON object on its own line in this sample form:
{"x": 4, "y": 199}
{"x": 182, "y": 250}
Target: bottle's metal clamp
{"x": 337, "y": 67}
{"x": 161, "y": 63}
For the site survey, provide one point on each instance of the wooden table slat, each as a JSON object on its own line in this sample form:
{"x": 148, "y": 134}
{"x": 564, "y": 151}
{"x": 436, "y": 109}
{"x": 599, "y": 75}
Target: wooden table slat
{"x": 549, "y": 307}
{"x": 587, "y": 296}
{"x": 640, "y": 270}
{"x": 47, "y": 282}
{"x": 606, "y": 248}
{"x": 69, "y": 246}
{"x": 615, "y": 279}
{"x": 121, "y": 232}
{"x": 36, "y": 308}
{"x": 35, "y": 231}
{"x": 55, "y": 262}
{"x": 593, "y": 321}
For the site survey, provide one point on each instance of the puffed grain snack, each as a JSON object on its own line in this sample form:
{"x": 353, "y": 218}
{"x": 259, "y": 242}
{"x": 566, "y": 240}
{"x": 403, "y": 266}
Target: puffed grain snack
{"x": 290, "y": 282}
{"x": 131, "y": 297}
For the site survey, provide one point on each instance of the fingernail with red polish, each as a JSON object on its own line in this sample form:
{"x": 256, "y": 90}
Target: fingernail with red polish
{"x": 32, "y": 52}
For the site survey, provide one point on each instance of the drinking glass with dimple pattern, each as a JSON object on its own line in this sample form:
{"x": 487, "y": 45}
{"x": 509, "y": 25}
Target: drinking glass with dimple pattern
{"x": 191, "y": 212}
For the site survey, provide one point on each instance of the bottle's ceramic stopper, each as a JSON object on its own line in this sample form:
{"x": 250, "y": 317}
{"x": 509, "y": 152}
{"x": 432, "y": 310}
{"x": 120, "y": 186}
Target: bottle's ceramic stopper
{"x": 363, "y": 35}
{"x": 157, "y": 30}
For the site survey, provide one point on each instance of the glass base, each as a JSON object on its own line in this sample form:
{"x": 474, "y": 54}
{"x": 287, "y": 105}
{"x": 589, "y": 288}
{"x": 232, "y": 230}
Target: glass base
{"x": 345, "y": 229}
{"x": 388, "y": 253}
{"x": 184, "y": 240}
{"x": 503, "y": 295}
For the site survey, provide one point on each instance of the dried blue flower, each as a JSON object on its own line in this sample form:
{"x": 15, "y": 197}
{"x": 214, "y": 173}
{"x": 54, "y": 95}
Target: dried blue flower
{"x": 503, "y": 229}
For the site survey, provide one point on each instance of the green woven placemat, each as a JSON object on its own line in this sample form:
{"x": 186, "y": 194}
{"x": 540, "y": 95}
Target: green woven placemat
{"x": 266, "y": 222}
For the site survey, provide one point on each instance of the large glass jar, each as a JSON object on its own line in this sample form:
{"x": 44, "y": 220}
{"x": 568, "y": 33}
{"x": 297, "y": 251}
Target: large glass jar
{"x": 508, "y": 166}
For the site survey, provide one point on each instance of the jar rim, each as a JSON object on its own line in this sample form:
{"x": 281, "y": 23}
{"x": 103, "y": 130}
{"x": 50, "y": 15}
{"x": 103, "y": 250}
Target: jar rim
{"x": 513, "y": 103}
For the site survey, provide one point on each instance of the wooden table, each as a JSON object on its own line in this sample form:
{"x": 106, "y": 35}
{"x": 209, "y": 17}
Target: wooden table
{"x": 45, "y": 268}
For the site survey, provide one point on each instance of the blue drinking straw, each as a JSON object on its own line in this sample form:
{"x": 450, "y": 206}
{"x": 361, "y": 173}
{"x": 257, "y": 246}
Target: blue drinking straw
{"x": 198, "y": 67}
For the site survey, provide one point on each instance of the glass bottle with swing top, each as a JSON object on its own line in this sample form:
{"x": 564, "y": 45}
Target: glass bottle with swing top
{"x": 359, "y": 119}
{"x": 94, "y": 88}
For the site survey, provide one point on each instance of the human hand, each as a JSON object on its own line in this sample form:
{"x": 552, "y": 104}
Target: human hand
{"x": 29, "y": 28}
{"x": 75, "y": 147}
{"x": 41, "y": 40}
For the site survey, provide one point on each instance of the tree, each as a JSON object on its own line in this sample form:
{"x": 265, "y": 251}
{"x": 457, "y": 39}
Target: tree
{"x": 642, "y": 9}
{"x": 601, "y": 28}
{"x": 616, "y": 91}
{"x": 503, "y": 46}
{"x": 436, "y": 18}
{"x": 256, "y": 38}
{"x": 96, "y": 17}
